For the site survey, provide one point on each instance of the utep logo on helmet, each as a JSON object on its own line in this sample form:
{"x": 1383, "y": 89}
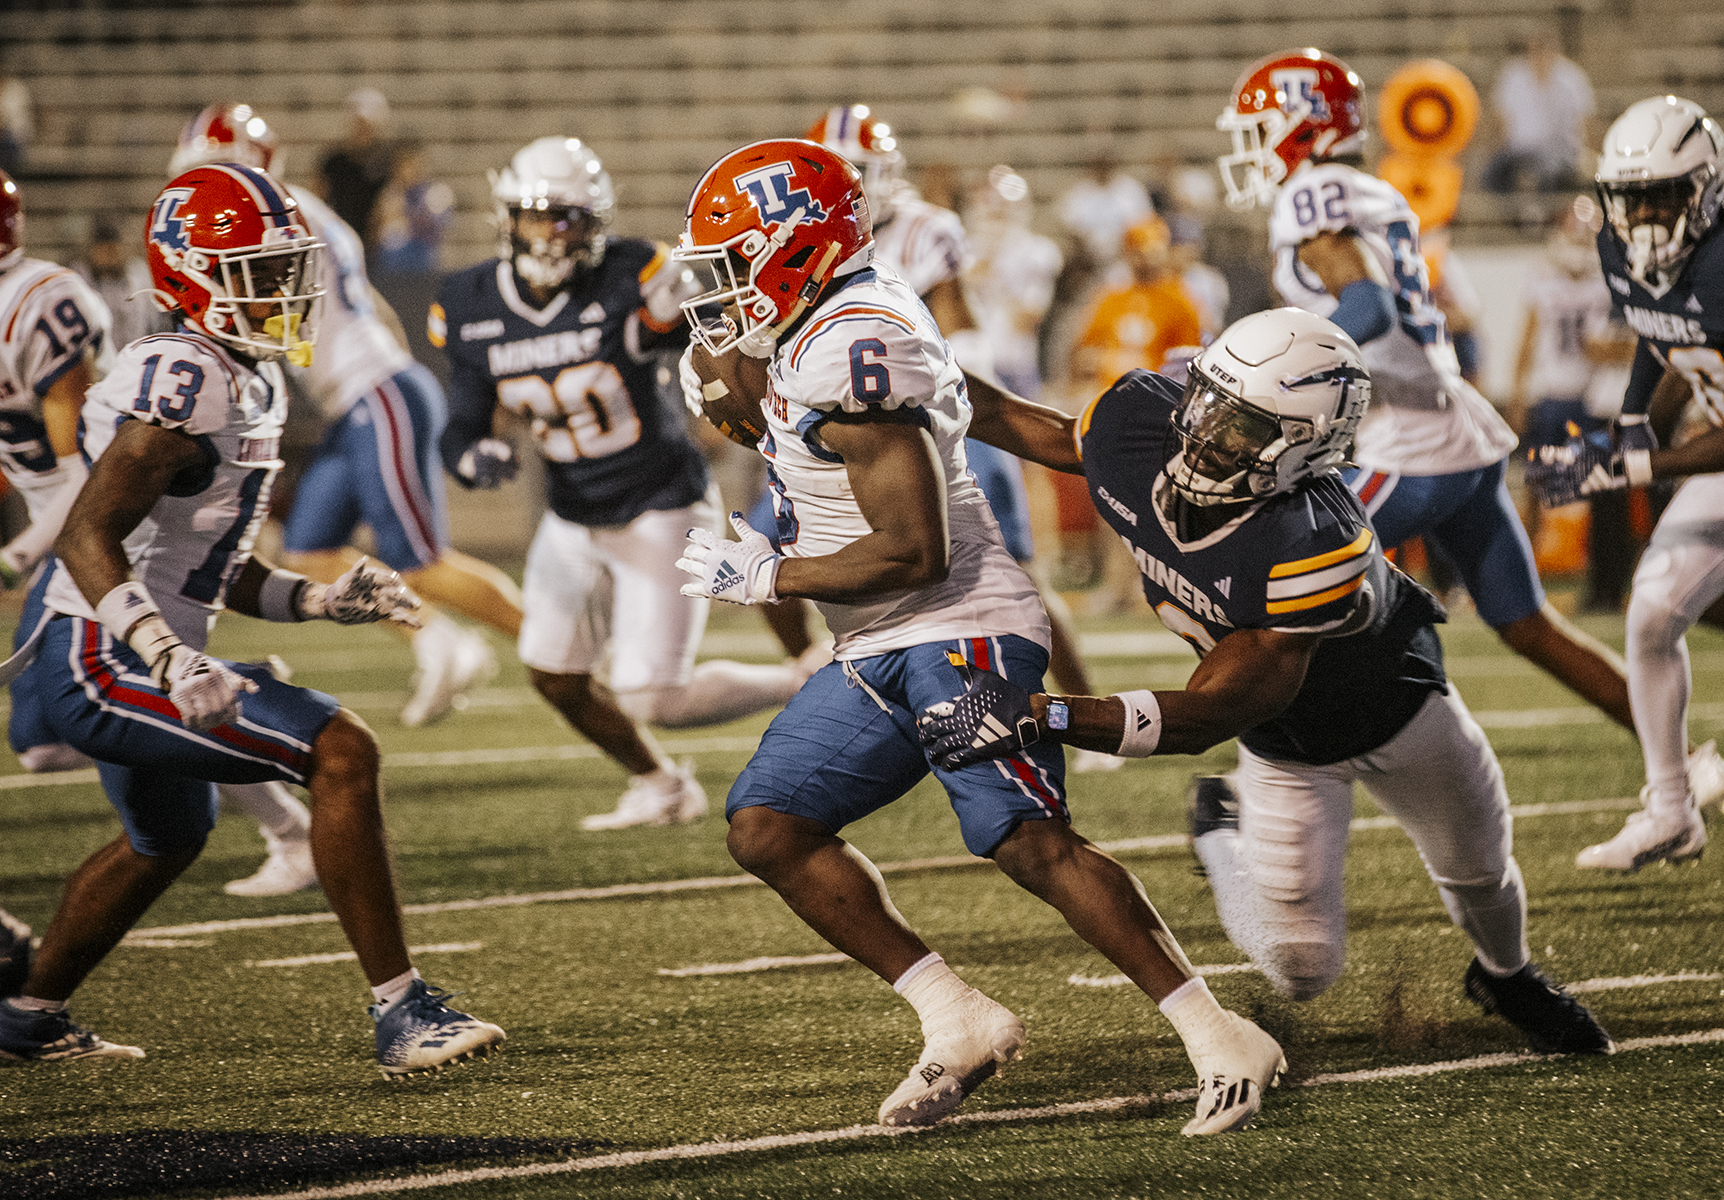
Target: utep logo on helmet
{"x": 769, "y": 189}
{"x": 1300, "y": 97}
{"x": 167, "y": 230}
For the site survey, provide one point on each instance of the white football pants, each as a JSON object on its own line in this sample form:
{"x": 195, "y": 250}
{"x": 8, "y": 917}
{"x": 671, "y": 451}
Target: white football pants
{"x": 589, "y": 589}
{"x": 1278, "y": 881}
{"x": 1680, "y": 575}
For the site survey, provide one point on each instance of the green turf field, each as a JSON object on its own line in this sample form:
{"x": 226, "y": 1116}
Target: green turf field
{"x": 259, "y": 1077}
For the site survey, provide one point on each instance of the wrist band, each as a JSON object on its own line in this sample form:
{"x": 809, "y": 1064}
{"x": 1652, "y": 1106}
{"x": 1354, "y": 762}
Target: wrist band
{"x": 278, "y": 597}
{"x": 129, "y": 612}
{"x": 1637, "y": 467}
{"x": 1142, "y": 724}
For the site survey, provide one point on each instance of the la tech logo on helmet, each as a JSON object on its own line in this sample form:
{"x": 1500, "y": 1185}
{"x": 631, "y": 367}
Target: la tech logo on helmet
{"x": 769, "y": 189}
{"x": 1298, "y": 87}
{"x": 166, "y": 228}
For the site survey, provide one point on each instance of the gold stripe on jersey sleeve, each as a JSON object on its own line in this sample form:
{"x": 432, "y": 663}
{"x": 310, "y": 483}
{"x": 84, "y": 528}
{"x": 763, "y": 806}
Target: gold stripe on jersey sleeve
{"x": 660, "y": 253}
{"x": 1357, "y": 546}
{"x": 1316, "y": 601}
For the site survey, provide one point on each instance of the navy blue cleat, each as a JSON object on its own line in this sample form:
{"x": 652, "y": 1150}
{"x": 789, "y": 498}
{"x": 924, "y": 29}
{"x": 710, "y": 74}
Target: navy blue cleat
{"x": 1554, "y": 1022}
{"x": 28, "y": 1036}
{"x": 421, "y": 1034}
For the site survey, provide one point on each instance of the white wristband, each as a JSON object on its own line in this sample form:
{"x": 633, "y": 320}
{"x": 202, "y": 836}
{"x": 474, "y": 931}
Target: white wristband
{"x": 1637, "y": 467}
{"x": 130, "y": 610}
{"x": 278, "y": 598}
{"x": 1142, "y": 724}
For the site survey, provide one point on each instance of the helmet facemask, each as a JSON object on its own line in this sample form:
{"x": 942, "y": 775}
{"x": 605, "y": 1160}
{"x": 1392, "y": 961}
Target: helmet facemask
{"x": 1252, "y": 174}
{"x": 1233, "y": 450}
{"x": 736, "y": 311}
{"x": 1660, "y": 221}
{"x": 570, "y": 239}
{"x": 282, "y": 273}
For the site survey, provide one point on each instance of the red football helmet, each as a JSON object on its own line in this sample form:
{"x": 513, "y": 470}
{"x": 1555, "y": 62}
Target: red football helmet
{"x": 230, "y": 133}
{"x": 775, "y": 220}
{"x": 11, "y": 220}
{"x": 224, "y": 238}
{"x": 870, "y": 147}
{"x": 1299, "y": 105}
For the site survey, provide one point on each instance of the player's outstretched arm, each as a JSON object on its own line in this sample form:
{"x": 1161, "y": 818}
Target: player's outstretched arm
{"x": 1031, "y": 431}
{"x": 367, "y": 592}
{"x": 61, "y": 404}
{"x": 1250, "y": 677}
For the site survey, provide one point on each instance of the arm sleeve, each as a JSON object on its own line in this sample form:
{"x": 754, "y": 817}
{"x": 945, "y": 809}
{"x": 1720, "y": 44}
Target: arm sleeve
{"x": 1643, "y": 378}
{"x": 1366, "y": 310}
{"x": 472, "y": 400}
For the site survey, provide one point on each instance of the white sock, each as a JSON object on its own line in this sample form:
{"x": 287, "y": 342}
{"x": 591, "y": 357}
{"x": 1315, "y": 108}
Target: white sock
{"x": 275, "y": 809}
{"x": 1659, "y": 684}
{"x": 435, "y": 640}
{"x": 31, "y": 1004}
{"x": 387, "y": 993}
{"x": 932, "y": 989}
{"x": 1202, "y": 1024}
{"x": 660, "y": 779}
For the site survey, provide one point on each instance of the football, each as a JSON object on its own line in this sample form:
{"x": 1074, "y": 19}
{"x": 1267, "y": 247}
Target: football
{"x": 732, "y": 387}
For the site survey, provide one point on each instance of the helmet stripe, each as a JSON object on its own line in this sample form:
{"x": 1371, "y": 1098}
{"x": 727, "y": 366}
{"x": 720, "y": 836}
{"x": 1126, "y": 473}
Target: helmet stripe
{"x": 262, "y": 190}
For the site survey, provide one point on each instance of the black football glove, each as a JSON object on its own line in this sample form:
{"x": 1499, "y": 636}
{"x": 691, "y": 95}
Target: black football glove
{"x": 990, "y": 719}
{"x": 1575, "y": 469}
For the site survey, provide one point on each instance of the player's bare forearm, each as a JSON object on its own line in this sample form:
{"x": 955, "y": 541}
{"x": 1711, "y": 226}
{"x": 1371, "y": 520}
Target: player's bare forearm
{"x": 62, "y": 403}
{"x": 1700, "y": 455}
{"x": 1338, "y": 260}
{"x": 949, "y": 307}
{"x": 1250, "y": 677}
{"x": 1033, "y": 432}
{"x": 123, "y": 487}
{"x": 1669, "y": 400}
{"x": 896, "y": 480}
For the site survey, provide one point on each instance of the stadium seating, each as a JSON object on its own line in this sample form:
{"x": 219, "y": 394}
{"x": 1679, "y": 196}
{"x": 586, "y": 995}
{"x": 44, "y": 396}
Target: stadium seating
{"x": 663, "y": 88}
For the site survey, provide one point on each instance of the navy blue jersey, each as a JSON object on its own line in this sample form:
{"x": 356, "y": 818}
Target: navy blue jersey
{"x": 1681, "y": 327}
{"x": 583, "y": 373}
{"x": 1305, "y": 561}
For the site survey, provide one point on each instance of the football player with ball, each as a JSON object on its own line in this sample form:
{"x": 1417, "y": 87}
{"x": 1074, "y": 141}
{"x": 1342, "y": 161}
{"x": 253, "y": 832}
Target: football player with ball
{"x": 862, "y": 418}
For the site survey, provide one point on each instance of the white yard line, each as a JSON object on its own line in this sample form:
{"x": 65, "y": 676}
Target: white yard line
{"x": 699, "y": 1150}
{"x": 1109, "y": 981}
{"x": 1166, "y": 841}
{"x": 313, "y": 960}
{"x": 1633, "y": 981}
{"x": 748, "y": 965}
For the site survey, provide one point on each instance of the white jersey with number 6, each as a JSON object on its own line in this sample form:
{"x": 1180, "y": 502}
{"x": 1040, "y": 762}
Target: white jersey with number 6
{"x": 1424, "y": 418}
{"x": 871, "y": 345}
{"x": 200, "y": 534}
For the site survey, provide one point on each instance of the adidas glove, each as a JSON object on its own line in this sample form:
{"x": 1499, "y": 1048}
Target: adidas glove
{"x": 1575, "y": 469}
{"x": 744, "y": 572}
{"x": 367, "y": 592}
{"x": 990, "y": 719}
{"x": 205, "y": 690}
{"x": 487, "y": 463}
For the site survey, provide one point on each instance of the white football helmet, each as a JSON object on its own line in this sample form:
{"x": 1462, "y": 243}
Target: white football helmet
{"x": 563, "y": 179}
{"x": 1659, "y": 180}
{"x": 1274, "y": 400}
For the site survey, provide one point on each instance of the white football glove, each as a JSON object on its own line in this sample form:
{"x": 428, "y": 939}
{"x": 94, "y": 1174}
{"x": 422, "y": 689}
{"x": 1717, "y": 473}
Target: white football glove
{"x": 205, "y": 691}
{"x": 692, "y": 394}
{"x": 367, "y": 592}
{"x": 744, "y": 572}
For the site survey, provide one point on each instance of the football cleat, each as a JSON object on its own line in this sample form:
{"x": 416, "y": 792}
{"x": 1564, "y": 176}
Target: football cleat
{"x": 420, "y": 1034}
{"x": 1706, "y": 780}
{"x": 288, "y": 869}
{"x": 1554, "y": 1022}
{"x": 1230, "y": 1086}
{"x": 1647, "y": 838}
{"x": 14, "y": 954}
{"x": 30, "y": 1036}
{"x": 451, "y": 660}
{"x": 648, "y": 804}
{"x": 977, "y": 1044}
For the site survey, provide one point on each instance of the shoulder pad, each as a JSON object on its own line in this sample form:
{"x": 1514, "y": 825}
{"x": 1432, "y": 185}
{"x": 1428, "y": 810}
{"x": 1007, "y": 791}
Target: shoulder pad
{"x": 172, "y": 380}
{"x": 1330, "y": 197}
{"x": 858, "y": 356}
